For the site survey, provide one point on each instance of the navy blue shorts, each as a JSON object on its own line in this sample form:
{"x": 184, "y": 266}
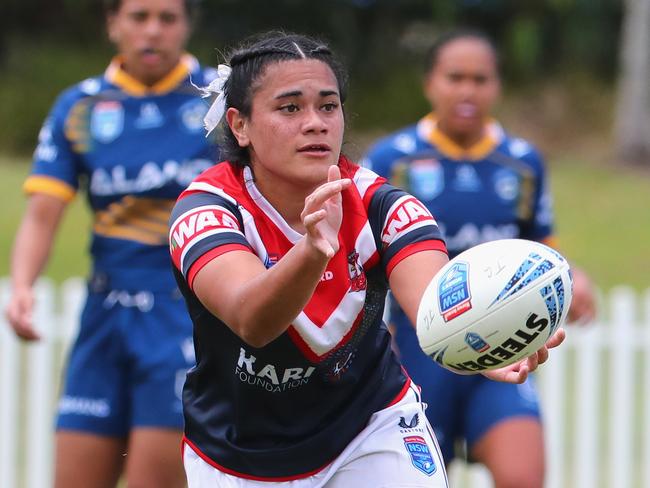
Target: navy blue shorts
{"x": 128, "y": 364}
{"x": 460, "y": 407}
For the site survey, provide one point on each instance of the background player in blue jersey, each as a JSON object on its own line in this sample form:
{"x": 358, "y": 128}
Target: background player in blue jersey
{"x": 284, "y": 253}
{"x": 480, "y": 184}
{"x": 132, "y": 139}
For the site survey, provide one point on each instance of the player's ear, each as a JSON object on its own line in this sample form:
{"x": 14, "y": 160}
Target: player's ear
{"x": 238, "y": 125}
{"x": 111, "y": 28}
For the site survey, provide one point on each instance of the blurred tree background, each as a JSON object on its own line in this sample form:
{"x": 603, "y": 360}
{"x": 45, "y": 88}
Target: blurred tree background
{"x": 560, "y": 57}
{"x": 570, "y": 67}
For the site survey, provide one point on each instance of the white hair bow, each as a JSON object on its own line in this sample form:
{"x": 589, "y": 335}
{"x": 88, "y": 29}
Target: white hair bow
{"x": 218, "y": 107}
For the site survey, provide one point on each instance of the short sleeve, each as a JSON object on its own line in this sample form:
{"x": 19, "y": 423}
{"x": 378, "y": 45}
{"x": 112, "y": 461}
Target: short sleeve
{"x": 402, "y": 225}
{"x": 55, "y": 167}
{"x": 203, "y": 226}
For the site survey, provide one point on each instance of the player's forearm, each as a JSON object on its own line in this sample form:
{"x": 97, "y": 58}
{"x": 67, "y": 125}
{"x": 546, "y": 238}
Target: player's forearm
{"x": 34, "y": 239}
{"x": 269, "y": 302}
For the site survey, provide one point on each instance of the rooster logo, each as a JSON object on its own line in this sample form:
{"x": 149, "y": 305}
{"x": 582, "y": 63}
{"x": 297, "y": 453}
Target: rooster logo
{"x": 357, "y": 276}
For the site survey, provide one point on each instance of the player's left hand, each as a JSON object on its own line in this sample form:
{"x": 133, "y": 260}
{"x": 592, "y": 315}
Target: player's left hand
{"x": 518, "y": 372}
{"x": 583, "y": 304}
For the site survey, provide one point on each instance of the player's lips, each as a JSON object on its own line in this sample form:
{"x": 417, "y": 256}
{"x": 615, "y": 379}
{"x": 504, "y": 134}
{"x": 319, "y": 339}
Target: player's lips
{"x": 150, "y": 55}
{"x": 315, "y": 149}
{"x": 466, "y": 110}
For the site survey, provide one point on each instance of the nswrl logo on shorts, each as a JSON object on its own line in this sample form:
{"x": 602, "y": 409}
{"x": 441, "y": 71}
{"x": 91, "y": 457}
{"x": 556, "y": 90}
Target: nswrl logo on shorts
{"x": 420, "y": 454}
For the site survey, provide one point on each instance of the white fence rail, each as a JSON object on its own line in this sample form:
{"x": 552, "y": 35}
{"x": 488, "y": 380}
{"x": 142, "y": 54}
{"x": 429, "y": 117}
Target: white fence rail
{"x": 595, "y": 394}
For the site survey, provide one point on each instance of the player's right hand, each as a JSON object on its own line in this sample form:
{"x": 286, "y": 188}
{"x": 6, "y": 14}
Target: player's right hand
{"x": 19, "y": 313}
{"x": 323, "y": 213}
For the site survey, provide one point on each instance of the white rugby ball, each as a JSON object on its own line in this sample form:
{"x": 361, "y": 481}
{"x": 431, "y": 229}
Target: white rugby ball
{"x": 494, "y": 304}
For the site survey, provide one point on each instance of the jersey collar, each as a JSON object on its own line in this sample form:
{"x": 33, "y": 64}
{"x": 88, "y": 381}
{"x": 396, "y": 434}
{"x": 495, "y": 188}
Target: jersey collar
{"x": 427, "y": 129}
{"x": 116, "y": 75}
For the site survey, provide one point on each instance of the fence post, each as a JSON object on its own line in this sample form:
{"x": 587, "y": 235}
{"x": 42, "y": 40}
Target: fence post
{"x": 645, "y": 439}
{"x": 9, "y": 373}
{"x": 587, "y": 389}
{"x": 40, "y": 388}
{"x": 552, "y": 381}
{"x": 621, "y": 337}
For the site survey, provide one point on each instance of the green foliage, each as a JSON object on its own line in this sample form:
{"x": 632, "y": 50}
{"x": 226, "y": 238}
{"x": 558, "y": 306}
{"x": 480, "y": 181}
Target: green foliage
{"x": 36, "y": 72}
{"x": 538, "y": 39}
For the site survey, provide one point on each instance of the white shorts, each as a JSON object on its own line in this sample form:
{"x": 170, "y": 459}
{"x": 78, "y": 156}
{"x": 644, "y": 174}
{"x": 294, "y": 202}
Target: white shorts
{"x": 397, "y": 449}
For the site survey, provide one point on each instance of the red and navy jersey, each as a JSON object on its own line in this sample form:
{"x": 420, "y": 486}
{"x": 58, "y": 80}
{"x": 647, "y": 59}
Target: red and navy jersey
{"x": 286, "y": 410}
{"x": 133, "y": 149}
{"x": 494, "y": 190}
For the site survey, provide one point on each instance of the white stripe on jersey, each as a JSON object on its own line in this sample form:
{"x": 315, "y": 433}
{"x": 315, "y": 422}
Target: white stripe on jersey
{"x": 413, "y": 227}
{"x": 264, "y": 205}
{"x": 202, "y": 236}
{"x": 325, "y": 338}
{"x": 365, "y": 243}
{"x": 253, "y": 236}
{"x": 363, "y": 179}
{"x": 208, "y": 188}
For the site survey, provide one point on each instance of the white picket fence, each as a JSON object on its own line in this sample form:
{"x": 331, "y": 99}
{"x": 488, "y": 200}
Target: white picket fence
{"x": 595, "y": 393}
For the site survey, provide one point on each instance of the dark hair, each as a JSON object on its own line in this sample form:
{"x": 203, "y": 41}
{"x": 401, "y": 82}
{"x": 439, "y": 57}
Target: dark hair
{"x": 433, "y": 53}
{"x": 191, "y": 7}
{"x": 248, "y": 63}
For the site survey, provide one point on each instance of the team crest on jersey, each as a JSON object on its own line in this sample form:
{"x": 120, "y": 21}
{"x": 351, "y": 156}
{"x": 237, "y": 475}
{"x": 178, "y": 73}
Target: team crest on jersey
{"x": 420, "y": 454}
{"x": 150, "y": 116}
{"x": 426, "y": 178}
{"x": 467, "y": 179}
{"x": 506, "y": 184}
{"x": 453, "y": 291}
{"x": 357, "y": 276}
{"x": 107, "y": 121}
{"x": 191, "y": 114}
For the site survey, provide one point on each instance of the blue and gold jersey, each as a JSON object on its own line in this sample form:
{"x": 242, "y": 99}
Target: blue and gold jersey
{"x": 496, "y": 189}
{"x": 133, "y": 149}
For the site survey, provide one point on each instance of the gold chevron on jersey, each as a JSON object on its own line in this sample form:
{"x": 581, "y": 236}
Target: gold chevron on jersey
{"x": 118, "y": 76}
{"x": 142, "y": 220}
{"x": 428, "y": 130}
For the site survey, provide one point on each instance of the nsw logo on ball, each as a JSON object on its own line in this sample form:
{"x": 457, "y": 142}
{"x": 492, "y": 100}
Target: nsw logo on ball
{"x": 453, "y": 291}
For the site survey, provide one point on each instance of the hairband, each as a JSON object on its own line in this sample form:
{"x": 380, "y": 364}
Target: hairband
{"x": 218, "y": 107}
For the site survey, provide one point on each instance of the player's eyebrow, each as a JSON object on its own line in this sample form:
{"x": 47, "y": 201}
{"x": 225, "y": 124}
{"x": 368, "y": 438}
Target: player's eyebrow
{"x": 297, "y": 93}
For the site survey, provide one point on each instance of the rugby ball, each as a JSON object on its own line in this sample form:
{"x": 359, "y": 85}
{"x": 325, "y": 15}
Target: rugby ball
{"x": 493, "y": 305}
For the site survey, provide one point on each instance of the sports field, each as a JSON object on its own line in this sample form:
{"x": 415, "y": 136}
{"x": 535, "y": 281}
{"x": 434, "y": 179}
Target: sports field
{"x": 601, "y": 210}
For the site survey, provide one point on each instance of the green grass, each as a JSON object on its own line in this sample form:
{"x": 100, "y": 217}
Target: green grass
{"x": 69, "y": 256}
{"x": 602, "y": 214}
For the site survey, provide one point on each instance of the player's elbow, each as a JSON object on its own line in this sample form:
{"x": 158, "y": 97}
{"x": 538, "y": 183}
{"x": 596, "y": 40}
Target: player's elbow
{"x": 255, "y": 331}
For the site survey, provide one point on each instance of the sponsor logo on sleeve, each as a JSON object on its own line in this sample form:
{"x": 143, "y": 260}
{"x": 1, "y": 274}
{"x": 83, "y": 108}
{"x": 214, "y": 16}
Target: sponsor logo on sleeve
{"x": 406, "y": 215}
{"x": 197, "y": 224}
